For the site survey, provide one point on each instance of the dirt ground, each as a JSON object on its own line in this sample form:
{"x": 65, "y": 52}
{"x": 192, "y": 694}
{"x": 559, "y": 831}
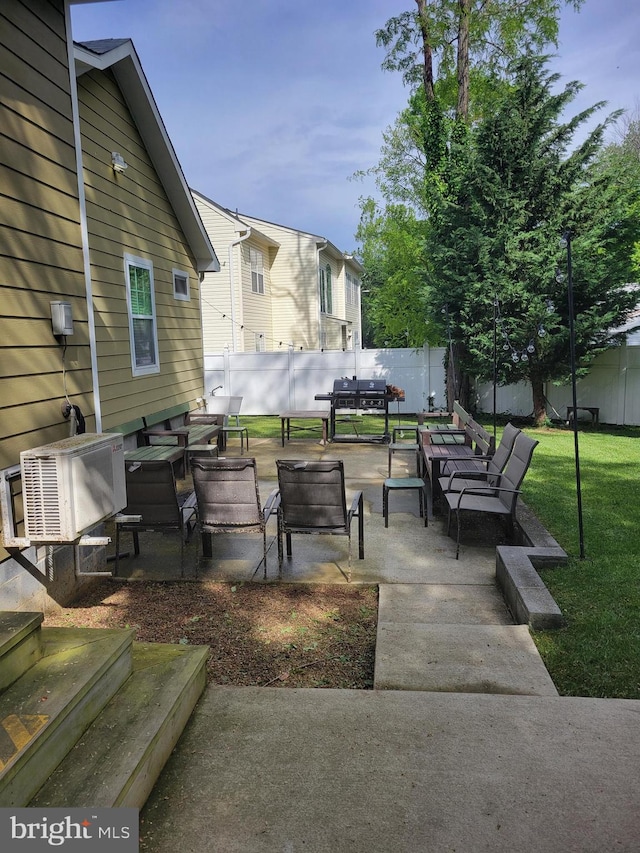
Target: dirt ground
{"x": 281, "y": 635}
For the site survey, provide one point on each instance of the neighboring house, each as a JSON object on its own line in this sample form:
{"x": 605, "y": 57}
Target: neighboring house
{"x": 125, "y": 247}
{"x": 278, "y": 286}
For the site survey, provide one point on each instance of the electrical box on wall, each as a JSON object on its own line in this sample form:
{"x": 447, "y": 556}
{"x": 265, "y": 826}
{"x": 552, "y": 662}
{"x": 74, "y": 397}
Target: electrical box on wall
{"x": 61, "y": 318}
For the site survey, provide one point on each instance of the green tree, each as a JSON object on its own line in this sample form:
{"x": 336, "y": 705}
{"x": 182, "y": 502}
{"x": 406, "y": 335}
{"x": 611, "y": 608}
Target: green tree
{"x": 622, "y": 157}
{"x": 495, "y": 244}
{"x": 393, "y": 257}
{"x": 469, "y": 42}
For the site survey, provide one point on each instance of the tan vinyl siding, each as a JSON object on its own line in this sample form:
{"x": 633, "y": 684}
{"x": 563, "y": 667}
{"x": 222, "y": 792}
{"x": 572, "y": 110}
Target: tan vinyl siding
{"x": 41, "y": 255}
{"x": 289, "y": 310}
{"x": 257, "y": 307}
{"x": 293, "y": 276}
{"x": 216, "y": 296}
{"x": 130, "y": 213}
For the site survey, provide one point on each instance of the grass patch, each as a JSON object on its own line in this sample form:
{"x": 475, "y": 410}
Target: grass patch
{"x": 597, "y": 654}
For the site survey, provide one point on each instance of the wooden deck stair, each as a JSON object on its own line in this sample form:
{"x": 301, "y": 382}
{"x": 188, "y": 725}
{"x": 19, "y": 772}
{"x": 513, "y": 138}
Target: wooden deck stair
{"x": 88, "y": 717}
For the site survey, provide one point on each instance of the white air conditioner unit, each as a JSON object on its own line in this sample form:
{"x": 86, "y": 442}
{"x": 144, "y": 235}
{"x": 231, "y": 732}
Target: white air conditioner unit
{"x": 71, "y": 485}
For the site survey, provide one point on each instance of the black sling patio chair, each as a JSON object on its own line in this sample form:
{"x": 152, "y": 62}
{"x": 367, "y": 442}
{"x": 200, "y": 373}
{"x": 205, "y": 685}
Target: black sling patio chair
{"x": 313, "y": 500}
{"x": 153, "y": 505}
{"x": 228, "y": 499}
{"x": 482, "y": 468}
{"x": 500, "y": 498}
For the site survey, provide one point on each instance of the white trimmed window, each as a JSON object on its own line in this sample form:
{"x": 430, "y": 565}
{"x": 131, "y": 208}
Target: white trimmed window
{"x": 261, "y": 342}
{"x": 181, "y": 285}
{"x": 352, "y": 289}
{"x": 257, "y": 271}
{"x": 326, "y": 296}
{"x": 141, "y": 304}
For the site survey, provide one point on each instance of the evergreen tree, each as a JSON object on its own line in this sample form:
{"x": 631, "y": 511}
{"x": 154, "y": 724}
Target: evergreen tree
{"x": 494, "y": 246}
{"x": 452, "y": 55}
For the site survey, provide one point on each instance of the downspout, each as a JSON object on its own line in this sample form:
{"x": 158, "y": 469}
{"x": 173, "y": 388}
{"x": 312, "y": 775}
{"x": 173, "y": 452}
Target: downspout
{"x": 234, "y": 339}
{"x": 319, "y": 248}
{"x": 84, "y": 231}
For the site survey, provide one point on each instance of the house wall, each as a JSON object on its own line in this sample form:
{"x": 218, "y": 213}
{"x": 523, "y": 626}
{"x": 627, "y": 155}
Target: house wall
{"x": 41, "y": 257}
{"x": 289, "y": 310}
{"x": 352, "y": 310}
{"x": 257, "y": 308}
{"x": 215, "y": 292}
{"x": 340, "y": 323}
{"x": 130, "y": 213}
{"x": 294, "y": 287}
{"x": 41, "y": 260}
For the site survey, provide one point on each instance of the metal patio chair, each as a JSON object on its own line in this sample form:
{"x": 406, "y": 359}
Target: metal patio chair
{"x": 313, "y": 500}
{"x": 482, "y": 468}
{"x": 228, "y": 499}
{"x": 153, "y": 505}
{"x": 499, "y": 499}
{"x": 229, "y": 429}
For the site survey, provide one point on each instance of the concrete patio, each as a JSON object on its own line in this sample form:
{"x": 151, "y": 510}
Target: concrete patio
{"x": 464, "y": 744}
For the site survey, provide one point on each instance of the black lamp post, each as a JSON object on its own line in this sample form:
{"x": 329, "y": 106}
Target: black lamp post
{"x": 495, "y": 363}
{"x": 565, "y": 242}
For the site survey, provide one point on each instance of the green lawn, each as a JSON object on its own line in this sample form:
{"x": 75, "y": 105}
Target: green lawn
{"x": 598, "y": 653}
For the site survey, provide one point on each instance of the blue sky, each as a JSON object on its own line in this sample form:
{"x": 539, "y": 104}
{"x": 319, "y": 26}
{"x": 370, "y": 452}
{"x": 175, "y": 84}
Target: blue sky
{"x": 272, "y": 105}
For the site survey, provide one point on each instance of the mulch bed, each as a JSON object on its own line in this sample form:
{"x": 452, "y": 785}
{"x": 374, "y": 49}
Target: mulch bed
{"x": 279, "y": 635}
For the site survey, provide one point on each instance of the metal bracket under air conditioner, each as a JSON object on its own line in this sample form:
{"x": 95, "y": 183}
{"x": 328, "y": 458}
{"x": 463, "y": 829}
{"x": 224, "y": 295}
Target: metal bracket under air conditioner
{"x": 9, "y": 524}
{"x": 15, "y": 545}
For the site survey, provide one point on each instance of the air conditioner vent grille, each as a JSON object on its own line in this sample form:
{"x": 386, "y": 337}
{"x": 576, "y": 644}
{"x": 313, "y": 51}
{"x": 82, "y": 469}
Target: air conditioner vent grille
{"x": 40, "y": 492}
{"x": 71, "y": 485}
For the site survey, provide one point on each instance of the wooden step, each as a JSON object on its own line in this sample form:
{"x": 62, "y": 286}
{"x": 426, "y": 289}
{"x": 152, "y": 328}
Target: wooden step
{"x": 119, "y": 758}
{"x": 45, "y": 711}
{"x": 20, "y": 644}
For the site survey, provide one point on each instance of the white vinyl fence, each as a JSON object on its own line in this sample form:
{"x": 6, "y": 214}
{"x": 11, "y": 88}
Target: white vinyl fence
{"x": 274, "y": 382}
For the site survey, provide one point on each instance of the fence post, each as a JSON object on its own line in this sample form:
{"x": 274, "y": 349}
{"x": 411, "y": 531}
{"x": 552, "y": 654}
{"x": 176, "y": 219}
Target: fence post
{"x": 227, "y": 370}
{"x": 291, "y": 372}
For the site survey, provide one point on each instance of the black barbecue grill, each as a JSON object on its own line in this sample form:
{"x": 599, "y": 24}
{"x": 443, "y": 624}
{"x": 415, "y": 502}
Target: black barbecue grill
{"x": 362, "y": 394}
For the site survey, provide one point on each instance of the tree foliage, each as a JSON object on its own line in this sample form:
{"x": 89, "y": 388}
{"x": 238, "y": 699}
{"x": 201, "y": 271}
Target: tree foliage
{"x": 476, "y": 38}
{"x": 393, "y": 256}
{"x": 452, "y": 54}
{"x": 495, "y": 243}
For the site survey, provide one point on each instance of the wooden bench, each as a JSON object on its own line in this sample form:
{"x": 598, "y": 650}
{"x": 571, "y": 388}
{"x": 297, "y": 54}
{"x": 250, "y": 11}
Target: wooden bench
{"x": 446, "y": 451}
{"x": 594, "y": 412}
{"x": 166, "y": 436}
{"x": 174, "y": 427}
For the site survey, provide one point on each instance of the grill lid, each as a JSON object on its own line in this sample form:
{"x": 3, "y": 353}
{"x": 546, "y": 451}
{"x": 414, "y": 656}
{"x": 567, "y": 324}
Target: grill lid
{"x": 372, "y": 386}
{"x": 345, "y": 387}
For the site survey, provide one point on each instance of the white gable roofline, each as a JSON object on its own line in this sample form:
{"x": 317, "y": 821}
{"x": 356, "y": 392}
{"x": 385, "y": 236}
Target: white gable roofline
{"x": 238, "y": 223}
{"x": 120, "y": 57}
{"x": 322, "y": 243}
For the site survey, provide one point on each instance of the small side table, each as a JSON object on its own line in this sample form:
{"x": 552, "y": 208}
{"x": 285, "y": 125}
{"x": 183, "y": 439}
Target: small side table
{"x": 202, "y": 450}
{"x": 392, "y": 484}
{"x": 242, "y": 431}
{"x": 399, "y": 447}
